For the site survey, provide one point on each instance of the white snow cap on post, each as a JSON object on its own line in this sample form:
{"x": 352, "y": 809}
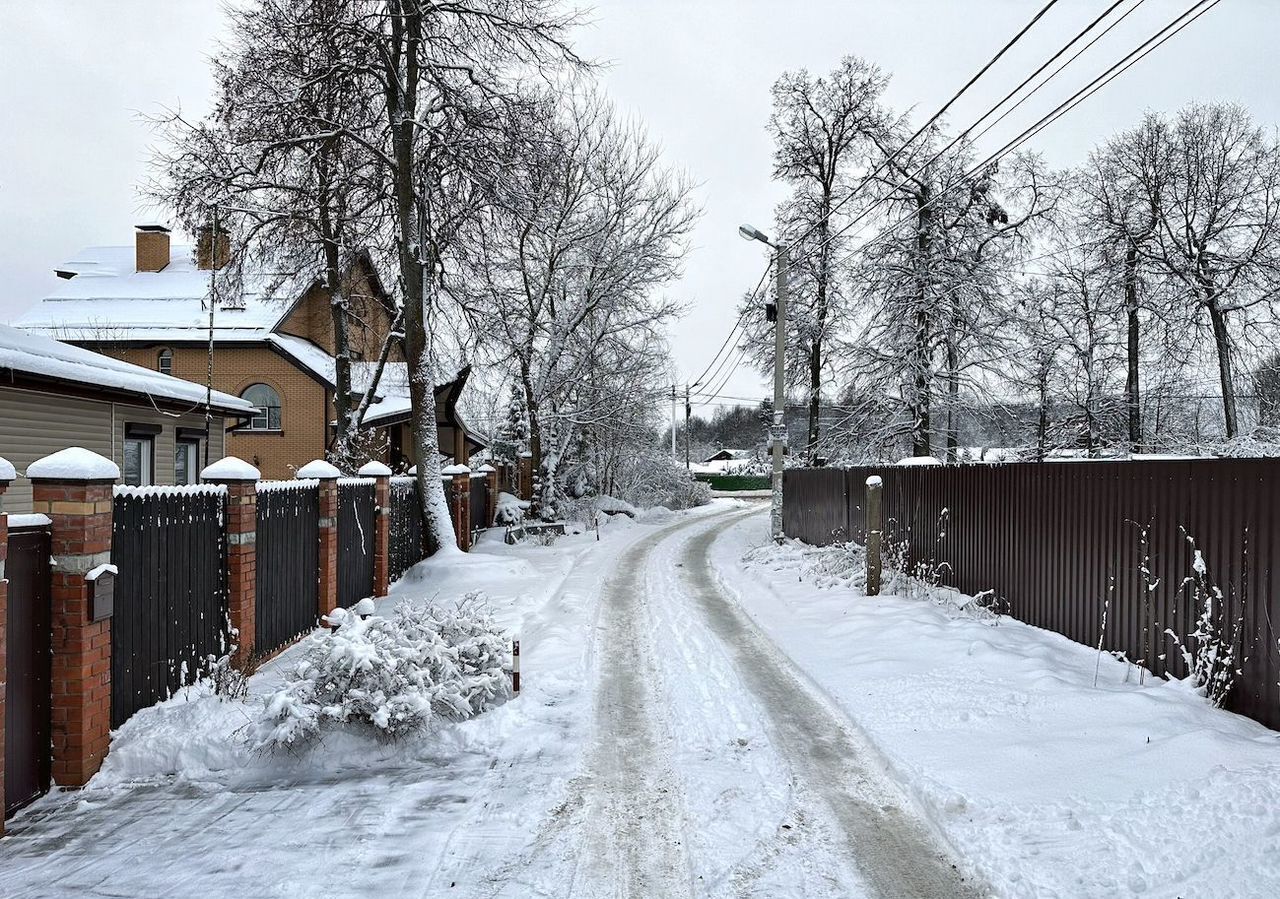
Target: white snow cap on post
{"x": 374, "y": 469}
{"x": 230, "y": 468}
{"x": 455, "y": 469}
{"x": 75, "y": 463}
{"x": 874, "y": 481}
{"x": 486, "y": 469}
{"x": 319, "y": 469}
{"x": 7, "y": 472}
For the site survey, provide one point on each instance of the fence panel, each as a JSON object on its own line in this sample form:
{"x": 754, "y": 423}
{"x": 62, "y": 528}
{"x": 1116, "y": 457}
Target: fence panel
{"x": 479, "y": 502}
{"x": 406, "y": 548}
{"x": 286, "y": 577}
{"x": 28, "y": 629}
{"x": 171, "y": 593}
{"x": 357, "y": 512}
{"x": 1062, "y": 541}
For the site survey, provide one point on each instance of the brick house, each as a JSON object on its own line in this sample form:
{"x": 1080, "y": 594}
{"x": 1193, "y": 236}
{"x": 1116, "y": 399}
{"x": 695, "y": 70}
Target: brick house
{"x": 272, "y": 338}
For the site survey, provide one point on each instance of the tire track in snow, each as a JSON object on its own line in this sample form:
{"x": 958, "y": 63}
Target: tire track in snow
{"x": 892, "y": 848}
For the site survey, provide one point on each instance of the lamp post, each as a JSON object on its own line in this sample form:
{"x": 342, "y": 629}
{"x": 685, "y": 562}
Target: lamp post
{"x": 778, "y": 433}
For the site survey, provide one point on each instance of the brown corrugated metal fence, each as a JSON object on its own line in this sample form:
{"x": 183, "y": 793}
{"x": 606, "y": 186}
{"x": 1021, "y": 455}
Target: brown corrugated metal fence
{"x": 1056, "y": 540}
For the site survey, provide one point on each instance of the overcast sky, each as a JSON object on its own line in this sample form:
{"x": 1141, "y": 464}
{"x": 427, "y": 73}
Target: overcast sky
{"x": 76, "y": 74}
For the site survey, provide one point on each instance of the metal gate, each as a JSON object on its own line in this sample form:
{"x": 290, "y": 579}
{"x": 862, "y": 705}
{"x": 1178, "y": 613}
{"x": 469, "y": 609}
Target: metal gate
{"x": 27, "y": 756}
{"x": 287, "y": 547}
{"x": 406, "y": 527}
{"x": 171, "y": 594}
{"x": 357, "y": 507}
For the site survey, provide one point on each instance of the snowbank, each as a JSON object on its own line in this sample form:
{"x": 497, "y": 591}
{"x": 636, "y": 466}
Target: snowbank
{"x": 1057, "y": 771}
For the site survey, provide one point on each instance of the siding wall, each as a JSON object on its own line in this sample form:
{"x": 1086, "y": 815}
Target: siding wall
{"x": 34, "y": 424}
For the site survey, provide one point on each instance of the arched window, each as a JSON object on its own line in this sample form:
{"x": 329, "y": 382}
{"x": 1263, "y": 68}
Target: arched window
{"x": 164, "y": 362}
{"x": 268, "y": 403}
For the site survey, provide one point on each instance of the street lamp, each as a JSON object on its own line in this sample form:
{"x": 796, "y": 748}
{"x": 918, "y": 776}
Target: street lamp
{"x": 778, "y": 433}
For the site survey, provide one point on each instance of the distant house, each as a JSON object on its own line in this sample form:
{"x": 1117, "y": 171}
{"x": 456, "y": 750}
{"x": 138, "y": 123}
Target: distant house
{"x": 54, "y": 395}
{"x": 723, "y": 461}
{"x": 727, "y": 455}
{"x": 272, "y": 335}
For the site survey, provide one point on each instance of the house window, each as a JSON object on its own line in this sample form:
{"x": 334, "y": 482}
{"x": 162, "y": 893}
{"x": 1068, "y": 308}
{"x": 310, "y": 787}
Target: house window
{"x": 268, "y": 403}
{"x": 186, "y": 462}
{"x": 139, "y": 454}
{"x": 164, "y": 362}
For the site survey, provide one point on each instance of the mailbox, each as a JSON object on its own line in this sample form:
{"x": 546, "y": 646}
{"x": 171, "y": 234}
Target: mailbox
{"x": 102, "y": 592}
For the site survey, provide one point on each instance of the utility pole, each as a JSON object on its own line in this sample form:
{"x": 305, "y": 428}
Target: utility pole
{"x": 778, "y": 433}
{"x": 687, "y": 412}
{"x": 673, "y": 424}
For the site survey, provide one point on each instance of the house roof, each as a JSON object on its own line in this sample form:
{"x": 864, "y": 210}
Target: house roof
{"x": 45, "y": 359}
{"x": 105, "y": 299}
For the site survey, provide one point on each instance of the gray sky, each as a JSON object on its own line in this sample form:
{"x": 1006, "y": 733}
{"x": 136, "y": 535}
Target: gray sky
{"x": 75, "y": 74}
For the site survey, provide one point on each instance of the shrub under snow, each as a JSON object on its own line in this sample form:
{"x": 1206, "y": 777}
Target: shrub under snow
{"x": 391, "y": 675}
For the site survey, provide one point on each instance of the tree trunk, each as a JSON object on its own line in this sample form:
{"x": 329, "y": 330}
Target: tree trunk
{"x": 402, "y": 101}
{"x": 1132, "y": 400}
{"x": 1042, "y": 425}
{"x": 1222, "y": 342}
{"x": 920, "y": 443}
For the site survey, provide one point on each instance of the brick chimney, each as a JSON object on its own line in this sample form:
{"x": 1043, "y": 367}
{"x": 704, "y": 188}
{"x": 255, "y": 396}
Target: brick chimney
{"x": 152, "y": 253}
{"x": 213, "y": 251}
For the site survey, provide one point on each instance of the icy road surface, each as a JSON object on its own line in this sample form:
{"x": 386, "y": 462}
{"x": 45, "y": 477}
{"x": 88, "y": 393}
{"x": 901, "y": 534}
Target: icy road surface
{"x": 662, "y": 747}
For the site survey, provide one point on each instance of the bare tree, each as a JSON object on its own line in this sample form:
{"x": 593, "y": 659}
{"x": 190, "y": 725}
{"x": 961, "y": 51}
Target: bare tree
{"x": 591, "y": 227}
{"x": 820, "y": 128}
{"x": 1218, "y": 236}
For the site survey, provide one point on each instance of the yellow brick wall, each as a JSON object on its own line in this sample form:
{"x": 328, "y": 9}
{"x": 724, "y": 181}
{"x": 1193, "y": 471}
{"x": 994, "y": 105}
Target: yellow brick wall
{"x": 304, "y": 405}
{"x": 312, "y": 319}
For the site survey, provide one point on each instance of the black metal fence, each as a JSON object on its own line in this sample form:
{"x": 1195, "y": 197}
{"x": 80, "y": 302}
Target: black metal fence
{"x": 286, "y": 585}
{"x": 1058, "y": 541}
{"x": 171, "y": 593}
{"x": 357, "y": 510}
{"x": 405, "y": 527}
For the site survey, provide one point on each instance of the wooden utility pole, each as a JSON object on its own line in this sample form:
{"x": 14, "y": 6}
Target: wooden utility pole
{"x": 688, "y": 411}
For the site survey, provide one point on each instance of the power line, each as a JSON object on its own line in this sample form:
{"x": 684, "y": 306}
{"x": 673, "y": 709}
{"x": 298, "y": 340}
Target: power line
{"x": 1099, "y": 82}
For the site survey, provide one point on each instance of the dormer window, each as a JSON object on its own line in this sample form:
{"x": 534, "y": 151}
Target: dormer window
{"x": 164, "y": 362}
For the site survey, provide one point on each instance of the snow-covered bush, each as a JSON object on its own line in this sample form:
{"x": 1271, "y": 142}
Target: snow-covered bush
{"x": 391, "y": 676}
{"x": 650, "y": 478}
{"x": 510, "y": 509}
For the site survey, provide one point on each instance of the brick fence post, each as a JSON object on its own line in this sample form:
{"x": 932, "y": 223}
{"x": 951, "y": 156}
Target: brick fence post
{"x": 381, "y": 475}
{"x": 461, "y": 505}
{"x": 241, "y": 481}
{"x": 327, "y": 555}
{"x": 73, "y": 488}
{"x": 485, "y": 515}
{"x": 7, "y": 474}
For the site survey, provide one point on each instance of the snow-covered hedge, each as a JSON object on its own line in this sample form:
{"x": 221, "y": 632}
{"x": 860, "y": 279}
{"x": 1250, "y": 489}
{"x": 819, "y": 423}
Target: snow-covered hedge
{"x": 652, "y": 479}
{"x": 391, "y": 675}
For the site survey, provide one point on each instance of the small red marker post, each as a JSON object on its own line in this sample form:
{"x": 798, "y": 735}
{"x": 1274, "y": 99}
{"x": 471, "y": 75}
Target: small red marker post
{"x": 515, "y": 667}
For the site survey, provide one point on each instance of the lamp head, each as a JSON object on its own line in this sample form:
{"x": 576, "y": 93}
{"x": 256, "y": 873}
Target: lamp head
{"x": 749, "y": 233}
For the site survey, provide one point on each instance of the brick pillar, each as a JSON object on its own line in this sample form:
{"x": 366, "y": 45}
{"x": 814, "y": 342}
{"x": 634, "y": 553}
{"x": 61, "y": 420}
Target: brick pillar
{"x": 381, "y": 475}
{"x": 490, "y": 510}
{"x": 73, "y": 488}
{"x": 327, "y": 556}
{"x": 7, "y": 474}
{"x": 241, "y": 481}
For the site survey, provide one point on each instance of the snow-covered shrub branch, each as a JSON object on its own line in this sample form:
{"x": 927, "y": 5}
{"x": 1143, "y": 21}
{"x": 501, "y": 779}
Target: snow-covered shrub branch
{"x": 391, "y": 675}
{"x": 1211, "y": 651}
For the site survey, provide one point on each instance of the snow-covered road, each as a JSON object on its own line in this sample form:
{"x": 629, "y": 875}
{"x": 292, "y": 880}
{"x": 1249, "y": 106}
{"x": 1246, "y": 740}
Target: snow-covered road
{"x": 701, "y": 717}
{"x": 662, "y": 748}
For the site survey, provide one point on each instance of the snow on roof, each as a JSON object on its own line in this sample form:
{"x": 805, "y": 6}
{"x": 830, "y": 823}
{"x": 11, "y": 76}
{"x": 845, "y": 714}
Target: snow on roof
{"x": 44, "y": 357}
{"x": 107, "y": 299}
{"x": 319, "y": 469}
{"x": 230, "y": 468}
{"x": 75, "y": 463}
{"x": 7, "y": 472}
